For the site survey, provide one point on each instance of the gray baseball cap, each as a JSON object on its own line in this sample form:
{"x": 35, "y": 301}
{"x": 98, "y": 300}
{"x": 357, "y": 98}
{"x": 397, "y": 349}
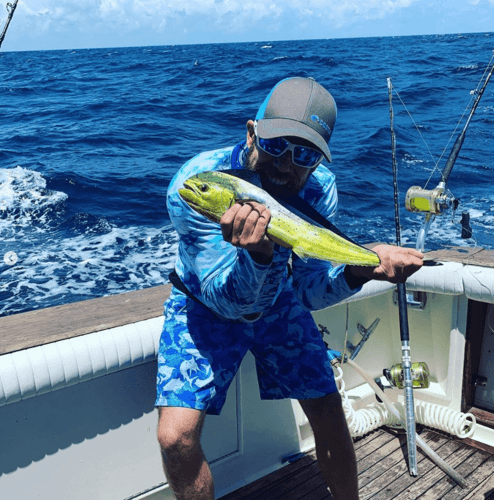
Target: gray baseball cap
{"x": 298, "y": 107}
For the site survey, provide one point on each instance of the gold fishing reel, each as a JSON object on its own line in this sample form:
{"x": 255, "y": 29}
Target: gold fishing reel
{"x": 419, "y": 371}
{"x": 432, "y": 201}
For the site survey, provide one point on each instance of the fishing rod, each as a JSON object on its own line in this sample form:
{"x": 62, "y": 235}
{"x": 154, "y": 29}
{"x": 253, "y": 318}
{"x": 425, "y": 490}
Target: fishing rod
{"x": 434, "y": 201}
{"x": 10, "y": 9}
{"x": 403, "y": 315}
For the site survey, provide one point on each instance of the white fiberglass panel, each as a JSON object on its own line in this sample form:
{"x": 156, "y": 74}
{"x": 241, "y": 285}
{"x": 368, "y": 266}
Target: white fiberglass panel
{"x": 94, "y": 440}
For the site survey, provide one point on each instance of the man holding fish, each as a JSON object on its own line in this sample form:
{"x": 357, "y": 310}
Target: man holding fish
{"x": 248, "y": 273}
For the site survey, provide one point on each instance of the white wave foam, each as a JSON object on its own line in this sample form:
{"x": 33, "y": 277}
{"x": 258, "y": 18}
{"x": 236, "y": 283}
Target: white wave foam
{"x": 24, "y": 191}
{"x": 475, "y": 213}
{"x": 409, "y": 159}
{"x": 58, "y": 271}
{"x": 55, "y": 266}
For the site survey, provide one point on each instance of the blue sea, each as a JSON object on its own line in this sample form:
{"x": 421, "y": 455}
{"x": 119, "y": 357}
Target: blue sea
{"x": 90, "y": 139}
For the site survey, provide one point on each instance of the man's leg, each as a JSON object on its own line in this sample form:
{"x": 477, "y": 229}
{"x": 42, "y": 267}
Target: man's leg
{"x": 179, "y": 435}
{"x": 334, "y": 445}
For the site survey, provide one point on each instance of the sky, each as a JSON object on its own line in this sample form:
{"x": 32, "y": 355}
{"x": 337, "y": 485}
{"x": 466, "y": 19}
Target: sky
{"x": 75, "y": 24}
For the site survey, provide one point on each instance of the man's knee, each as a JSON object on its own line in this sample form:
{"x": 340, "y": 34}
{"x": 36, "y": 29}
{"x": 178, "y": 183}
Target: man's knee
{"x": 179, "y": 431}
{"x": 176, "y": 442}
{"x": 320, "y": 407}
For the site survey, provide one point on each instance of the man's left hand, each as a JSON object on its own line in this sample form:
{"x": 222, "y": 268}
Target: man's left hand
{"x": 397, "y": 264}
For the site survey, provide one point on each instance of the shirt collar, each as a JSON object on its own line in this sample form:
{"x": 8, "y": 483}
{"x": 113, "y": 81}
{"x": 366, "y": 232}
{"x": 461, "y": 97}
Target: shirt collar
{"x": 239, "y": 155}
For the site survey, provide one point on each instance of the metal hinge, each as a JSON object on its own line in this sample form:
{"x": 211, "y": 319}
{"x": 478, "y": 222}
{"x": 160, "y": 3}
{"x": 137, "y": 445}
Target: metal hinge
{"x": 479, "y": 380}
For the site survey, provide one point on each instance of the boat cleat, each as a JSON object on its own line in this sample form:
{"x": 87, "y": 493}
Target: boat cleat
{"x": 366, "y": 333}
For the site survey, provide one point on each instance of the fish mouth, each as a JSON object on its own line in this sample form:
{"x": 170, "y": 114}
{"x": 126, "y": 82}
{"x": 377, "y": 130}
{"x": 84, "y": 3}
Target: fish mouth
{"x": 190, "y": 196}
{"x": 189, "y": 186}
{"x": 188, "y": 193}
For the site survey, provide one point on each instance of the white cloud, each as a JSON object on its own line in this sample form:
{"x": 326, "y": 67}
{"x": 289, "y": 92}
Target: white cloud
{"x": 91, "y": 23}
{"x": 128, "y": 14}
{"x": 341, "y": 13}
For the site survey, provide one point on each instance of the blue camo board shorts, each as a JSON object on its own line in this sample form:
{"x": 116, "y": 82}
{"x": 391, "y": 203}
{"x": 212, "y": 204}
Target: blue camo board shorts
{"x": 200, "y": 354}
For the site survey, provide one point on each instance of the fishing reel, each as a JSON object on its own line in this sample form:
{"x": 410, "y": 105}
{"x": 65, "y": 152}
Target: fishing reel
{"x": 432, "y": 201}
{"x": 420, "y": 375}
{"x": 395, "y": 378}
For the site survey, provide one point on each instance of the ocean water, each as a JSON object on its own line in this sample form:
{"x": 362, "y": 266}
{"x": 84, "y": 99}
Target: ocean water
{"x": 90, "y": 139}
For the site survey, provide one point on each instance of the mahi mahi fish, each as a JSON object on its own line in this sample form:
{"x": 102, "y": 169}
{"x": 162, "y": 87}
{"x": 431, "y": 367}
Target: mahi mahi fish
{"x": 213, "y": 193}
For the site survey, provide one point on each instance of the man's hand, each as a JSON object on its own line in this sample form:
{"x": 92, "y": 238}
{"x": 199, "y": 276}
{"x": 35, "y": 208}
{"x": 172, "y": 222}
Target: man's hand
{"x": 245, "y": 226}
{"x": 397, "y": 264}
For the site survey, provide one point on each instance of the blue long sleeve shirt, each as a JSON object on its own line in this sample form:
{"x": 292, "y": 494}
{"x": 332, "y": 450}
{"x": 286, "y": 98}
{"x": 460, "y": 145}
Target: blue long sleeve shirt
{"x": 226, "y": 278}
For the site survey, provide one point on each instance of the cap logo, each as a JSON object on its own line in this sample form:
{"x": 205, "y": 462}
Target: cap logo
{"x": 323, "y": 124}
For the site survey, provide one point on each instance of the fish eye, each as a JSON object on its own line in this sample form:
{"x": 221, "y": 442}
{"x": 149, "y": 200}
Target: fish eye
{"x": 203, "y": 187}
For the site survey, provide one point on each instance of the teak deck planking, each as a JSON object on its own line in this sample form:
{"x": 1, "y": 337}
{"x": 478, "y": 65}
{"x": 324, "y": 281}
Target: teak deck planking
{"x": 42, "y": 326}
{"x": 383, "y": 472}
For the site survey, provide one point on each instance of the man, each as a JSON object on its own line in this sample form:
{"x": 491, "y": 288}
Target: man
{"x": 238, "y": 295}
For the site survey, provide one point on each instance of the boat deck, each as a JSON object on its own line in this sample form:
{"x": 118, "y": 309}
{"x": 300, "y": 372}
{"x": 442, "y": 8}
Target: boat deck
{"x": 383, "y": 472}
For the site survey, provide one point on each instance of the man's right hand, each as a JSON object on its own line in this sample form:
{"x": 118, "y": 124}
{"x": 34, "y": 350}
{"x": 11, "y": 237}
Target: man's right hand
{"x": 245, "y": 226}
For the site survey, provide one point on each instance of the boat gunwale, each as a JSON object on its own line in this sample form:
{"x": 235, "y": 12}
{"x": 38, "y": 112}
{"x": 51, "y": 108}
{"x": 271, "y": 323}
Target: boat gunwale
{"x": 52, "y": 324}
{"x": 43, "y": 326}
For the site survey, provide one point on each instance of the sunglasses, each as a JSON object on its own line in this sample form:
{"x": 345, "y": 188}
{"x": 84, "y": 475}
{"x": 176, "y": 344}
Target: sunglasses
{"x": 302, "y": 156}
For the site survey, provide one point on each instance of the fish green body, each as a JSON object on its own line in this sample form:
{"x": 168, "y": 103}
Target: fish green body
{"x": 213, "y": 193}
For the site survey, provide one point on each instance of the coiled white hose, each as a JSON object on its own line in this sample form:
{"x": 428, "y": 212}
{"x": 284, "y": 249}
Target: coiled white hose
{"x": 445, "y": 419}
{"x": 365, "y": 420}
{"x": 376, "y": 414}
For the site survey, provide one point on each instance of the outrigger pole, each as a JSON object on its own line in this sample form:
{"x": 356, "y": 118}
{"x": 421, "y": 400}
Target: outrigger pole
{"x": 459, "y": 141}
{"x": 403, "y": 312}
{"x": 10, "y": 9}
{"x": 433, "y": 201}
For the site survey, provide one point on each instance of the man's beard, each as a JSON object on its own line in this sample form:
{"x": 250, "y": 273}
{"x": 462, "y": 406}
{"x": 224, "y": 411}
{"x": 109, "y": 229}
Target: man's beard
{"x": 272, "y": 179}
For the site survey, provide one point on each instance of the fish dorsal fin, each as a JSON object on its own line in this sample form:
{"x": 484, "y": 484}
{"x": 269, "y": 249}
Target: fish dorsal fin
{"x": 306, "y": 211}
